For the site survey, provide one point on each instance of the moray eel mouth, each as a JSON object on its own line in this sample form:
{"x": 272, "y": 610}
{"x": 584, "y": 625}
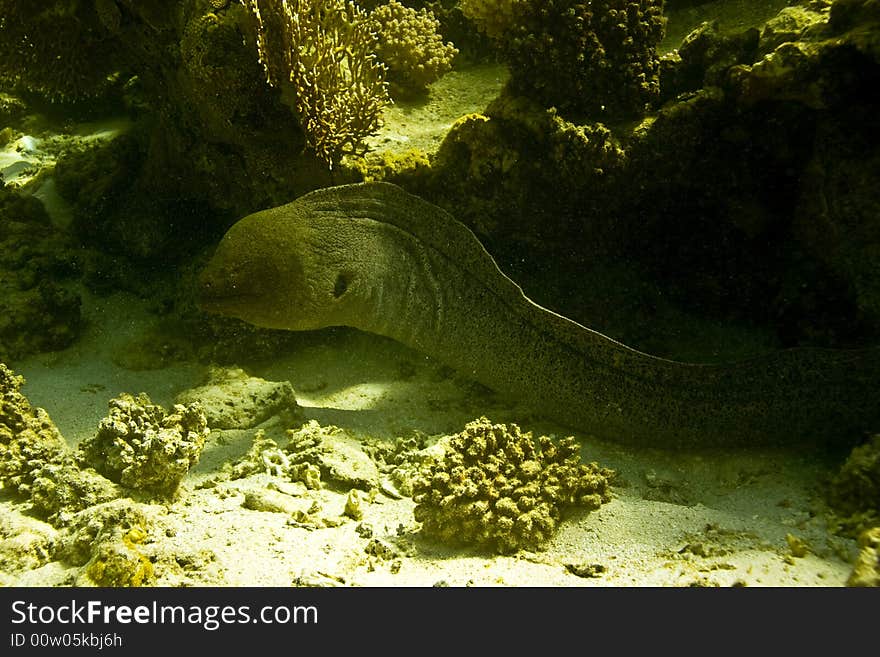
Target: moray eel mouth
{"x": 218, "y": 292}
{"x": 215, "y": 301}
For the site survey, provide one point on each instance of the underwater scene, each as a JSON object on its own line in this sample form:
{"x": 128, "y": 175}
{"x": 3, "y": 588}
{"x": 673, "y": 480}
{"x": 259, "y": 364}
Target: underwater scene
{"x": 439, "y": 293}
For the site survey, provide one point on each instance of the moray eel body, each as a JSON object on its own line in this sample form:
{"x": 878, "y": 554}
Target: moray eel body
{"x": 373, "y": 257}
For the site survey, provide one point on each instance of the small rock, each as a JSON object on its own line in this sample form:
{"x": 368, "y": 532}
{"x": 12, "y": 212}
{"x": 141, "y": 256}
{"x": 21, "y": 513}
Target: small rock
{"x": 273, "y": 502}
{"x": 353, "y": 508}
{"x": 376, "y": 548}
{"x": 798, "y": 546}
{"x": 231, "y": 399}
{"x": 585, "y": 569}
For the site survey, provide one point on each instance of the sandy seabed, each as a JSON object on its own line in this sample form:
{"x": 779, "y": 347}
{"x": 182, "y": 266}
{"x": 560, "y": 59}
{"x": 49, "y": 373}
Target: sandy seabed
{"x": 676, "y": 518}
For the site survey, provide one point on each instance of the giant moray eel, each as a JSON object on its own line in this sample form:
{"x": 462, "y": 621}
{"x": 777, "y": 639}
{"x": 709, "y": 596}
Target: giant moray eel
{"x": 376, "y": 258}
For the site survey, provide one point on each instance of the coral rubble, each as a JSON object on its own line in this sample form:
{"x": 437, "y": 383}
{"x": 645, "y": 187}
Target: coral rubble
{"x": 497, "y": 487}
{"x": 107, "y": 541}
{"x": 231, "y": 399}
{"x": 314, "y": 454}
{"x": 60, "y": 491}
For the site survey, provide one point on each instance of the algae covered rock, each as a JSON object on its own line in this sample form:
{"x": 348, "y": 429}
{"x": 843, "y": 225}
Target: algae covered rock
{"x": 29, "y": 439}
{"x": 141, "y": 446}
{"x": 313, "y": 455}
{"x": 108, "y": 539}
{"x": 60, "y": 491}
{"x": 497, "y": 487}
{"x": 854, "y": 494}
{"x": 866, "y": 571}
{"x": 233, "y": 400}
{"x": 339, "y": 457}
{"x": 25, "y": 543}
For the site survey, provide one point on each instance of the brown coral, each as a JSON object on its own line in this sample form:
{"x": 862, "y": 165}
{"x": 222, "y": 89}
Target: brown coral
{"x": 141, "y": 446}
{"x": 410, "y": 44}
{"x": 595, "y": 58}
{"x": 497, "y": 487}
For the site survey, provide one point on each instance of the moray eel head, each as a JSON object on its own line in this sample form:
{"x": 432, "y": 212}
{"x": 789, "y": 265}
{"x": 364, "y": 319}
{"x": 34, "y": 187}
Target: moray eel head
{"x": 274, "y": 269}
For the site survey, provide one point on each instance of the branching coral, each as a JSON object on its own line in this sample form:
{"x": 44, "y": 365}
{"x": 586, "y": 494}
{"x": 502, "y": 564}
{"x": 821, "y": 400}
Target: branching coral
{"x": 497, "y": 487}
{"x": 597, "y": 58}
{"x": 410, "y": 45}
{"x": 320, "y": 54}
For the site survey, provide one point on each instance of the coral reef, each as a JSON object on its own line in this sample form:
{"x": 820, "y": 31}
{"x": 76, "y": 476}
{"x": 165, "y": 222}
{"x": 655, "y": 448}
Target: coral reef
{"x": 97, "y": 180}
{"x": 703, "y": 59}
{"x": 584, "y": 58}
{"x": 495, "y": 18}
{"x": 785, "y": 240}
{"x": 204, "y": 117}
{"x": 790, "y": 24}
{"x": 319, "y": 53}
{"x": 29, "y": 440}
{"x": 37, "y": 313}
{"x": 230, "y": 399}
{"x": 141, "y": 446}
{"x": 410, "y": 45}
{"x": 32, "y": 34}
{"x": 12, "y": 108}
{"x": 497, "y": 487}
{"x": 854, "y": 492}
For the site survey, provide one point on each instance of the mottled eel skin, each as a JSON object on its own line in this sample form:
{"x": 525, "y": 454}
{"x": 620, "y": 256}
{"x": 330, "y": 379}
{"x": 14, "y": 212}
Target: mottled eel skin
{"x": 376, "y": 258}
